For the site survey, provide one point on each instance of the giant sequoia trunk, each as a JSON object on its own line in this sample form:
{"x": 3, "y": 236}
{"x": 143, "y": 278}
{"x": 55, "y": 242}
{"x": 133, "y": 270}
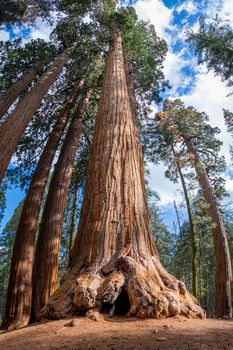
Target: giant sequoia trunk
{"x": 115, "y": 262}
{"x": 18, "y": 305}
{"x": 191, "y": 227}
{"x": 223, "y": 261}
{"x": 72, "y": 229}
{"x": 10, "y": 95}
{"x": 45, "y": 275}
{"x": 14, "y": 126}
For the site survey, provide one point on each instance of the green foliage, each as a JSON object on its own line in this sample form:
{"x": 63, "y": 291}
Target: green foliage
{"x": 228, "y": 117}
{"x": 6, "y": 246}
{"x": 12, "y": 11}
{"x": 2, "y": 202}
{"x": 75, "y": 7}
{"x": 18, "y": 11}
{"x": 213, "y": 46}
{"x": 163, "y": 237}
{"x": 181, "y": 265}
{"x": 145, "y": 53}
{"x": 167, "y": 132}
{"x": 17, "y": 58}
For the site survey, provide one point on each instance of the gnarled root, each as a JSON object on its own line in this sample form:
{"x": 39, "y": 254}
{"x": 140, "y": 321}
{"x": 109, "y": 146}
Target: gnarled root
{"x": 152, "y": 293}
{"x": 150, "y": 298}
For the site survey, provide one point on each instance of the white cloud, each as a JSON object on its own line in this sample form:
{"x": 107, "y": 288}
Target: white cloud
{"x": 167, "y": 190}
{"x": 227, "y": 11}
{"x": 210, "y": 95}
{"x": 229, "y": 184}
{"x": 42, "y": 30}
{"x": 212, "y": 7}
{"x": 188, "y": 6}
{"x": 209, "y": 92}
{"x": 4, "y": 35}
{"x": 173, "y": 65}
{"x": 158, "y": 14}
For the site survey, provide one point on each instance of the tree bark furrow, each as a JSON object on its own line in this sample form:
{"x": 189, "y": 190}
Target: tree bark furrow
{"x": 14, "y": 126}
{"x": 18, "y": 309}
{"x": 114, "y": 253}
{"x": 45, "y": 277}
{"x": 14, "y": 91}
{"x": 223, "y": 261}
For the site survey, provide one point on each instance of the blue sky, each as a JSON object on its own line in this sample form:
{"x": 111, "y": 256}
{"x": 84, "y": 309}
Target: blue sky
{"x": 189, "y": 81}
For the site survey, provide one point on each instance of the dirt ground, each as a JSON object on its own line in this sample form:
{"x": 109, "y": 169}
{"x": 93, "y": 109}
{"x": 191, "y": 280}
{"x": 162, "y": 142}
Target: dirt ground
{"x": 123, "y": 333}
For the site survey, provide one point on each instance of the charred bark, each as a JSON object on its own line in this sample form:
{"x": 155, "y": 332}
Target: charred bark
{"x": 14, "y": 126}
{"x": 223, "y": 261}
{"x": 18, "y": 305}
{"x": 115, "y": 261}
{"x": 45, "y": 273}
{"x": 11, "y": 94}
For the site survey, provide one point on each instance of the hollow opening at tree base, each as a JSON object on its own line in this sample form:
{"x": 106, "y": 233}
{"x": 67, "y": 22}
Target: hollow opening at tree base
{"x": 120, "y": 307}
{"x": 122, "y": 304}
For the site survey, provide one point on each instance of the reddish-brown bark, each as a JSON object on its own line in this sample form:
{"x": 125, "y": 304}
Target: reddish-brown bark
{"x": 14, "y": 126}
{"x": 45, "y": 277}
{"x": 115, "y": 261}
{"x": 18, "y": 305}
{"x": 72, "y": 229}
{"x": 10, "y": 95}
{"x": 223, "y": 261}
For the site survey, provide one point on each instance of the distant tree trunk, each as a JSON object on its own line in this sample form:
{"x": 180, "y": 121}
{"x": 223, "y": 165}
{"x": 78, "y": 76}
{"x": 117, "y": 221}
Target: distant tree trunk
{"x": 14, "y": 126}
{"x": 191, "y": 227}
{"x": 45, "y": 275}
{"x": 115, "y": 262}
{"x": 72, "y": 229}
{"x": 18, "y": 306}
{"x": 178, "y": 217}
{"x": 223, "y": 261}
{"x": 10, "y": 95}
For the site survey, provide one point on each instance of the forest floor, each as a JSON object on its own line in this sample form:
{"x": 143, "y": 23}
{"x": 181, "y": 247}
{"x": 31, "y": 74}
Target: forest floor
{"x": 123, "y": 333}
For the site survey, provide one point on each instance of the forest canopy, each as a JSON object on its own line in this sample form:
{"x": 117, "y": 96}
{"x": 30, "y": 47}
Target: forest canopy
{"x": 85, "y": 118}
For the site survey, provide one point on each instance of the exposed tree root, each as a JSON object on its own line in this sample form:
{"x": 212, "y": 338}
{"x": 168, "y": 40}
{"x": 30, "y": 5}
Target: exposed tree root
{"x": 151, "y": 292}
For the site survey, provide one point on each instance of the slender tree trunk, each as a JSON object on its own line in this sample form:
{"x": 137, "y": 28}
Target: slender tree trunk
{"x": 10, "y": 95}
{"x": 46, "y": 265}
{"x": 13, "y": 128}
{"x": 223, "y": 262}
{"x": 73, "y": 219}
{"x": 18, "y": 306}
{"x": 191, "y": 227}
{"x": 178, "y": 217}
{"x": 115, "y": 262}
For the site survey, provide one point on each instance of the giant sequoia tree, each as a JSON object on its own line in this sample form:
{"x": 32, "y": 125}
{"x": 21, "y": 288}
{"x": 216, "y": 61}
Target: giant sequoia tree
{"x": 48, "y": 244}
{"x": 14, "y": 126}
{"x": 188, "y": 128}
{"x": 115, "y": 261}
{"x": 19, "y": 294}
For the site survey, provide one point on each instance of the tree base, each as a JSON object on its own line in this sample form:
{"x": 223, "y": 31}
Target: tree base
{"x": 141, "y": 289}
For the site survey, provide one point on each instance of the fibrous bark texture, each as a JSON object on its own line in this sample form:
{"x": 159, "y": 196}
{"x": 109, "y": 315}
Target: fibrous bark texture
{"x": 115, "y": 262}
{"x": 14, "y": 126}
{"x": 46, "y": 265}
{"x": 223, "y": 261}
{"x": 10, "y": 95}
{"x": 72, "y": 230}
{"x": 18, "y": 305}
